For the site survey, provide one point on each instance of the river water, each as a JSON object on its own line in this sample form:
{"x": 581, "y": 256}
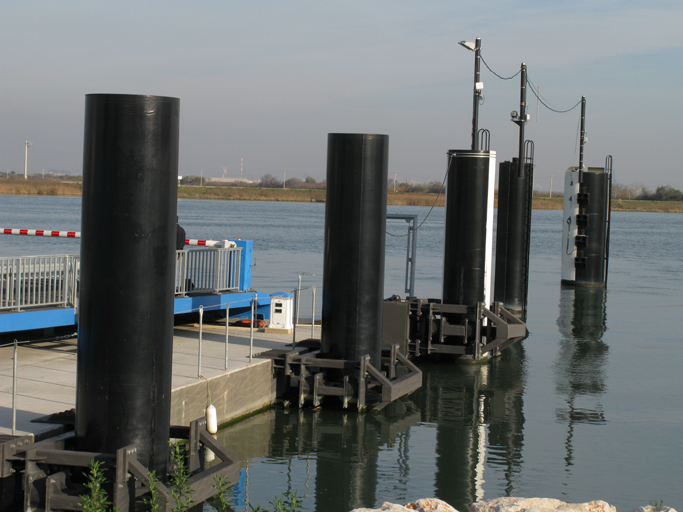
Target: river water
{"x": 589, "y": 406}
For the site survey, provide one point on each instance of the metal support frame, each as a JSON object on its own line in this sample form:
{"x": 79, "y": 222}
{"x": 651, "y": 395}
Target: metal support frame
{"x": 411, "y": 250}
{"x": 472, "y": 331}
{"x": 314, "y": 377}
{"x": 46, "y": 468}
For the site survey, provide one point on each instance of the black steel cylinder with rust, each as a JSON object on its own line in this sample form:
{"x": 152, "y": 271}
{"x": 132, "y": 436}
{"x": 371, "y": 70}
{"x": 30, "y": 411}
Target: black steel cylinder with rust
{"x": 355, "y": 225}
{"x": 125, "y": 339}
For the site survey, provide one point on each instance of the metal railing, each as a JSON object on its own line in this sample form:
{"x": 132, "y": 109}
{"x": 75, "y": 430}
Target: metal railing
{"x": 42, "y": 281}
{"x": 207, "y": 270}
{"x": 37, "y": 281}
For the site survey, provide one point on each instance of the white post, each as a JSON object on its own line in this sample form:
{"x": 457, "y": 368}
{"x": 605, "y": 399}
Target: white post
{"x": 26, "y": 160}
{"x": 199, "y": 353}
{"x": 227, "y": 323}
{"x": 251, "y": 329}
{"x": 313, "y": 314}
{"x": 296, "y": 314}
{"x": 14, "y": 390}
{"x": 551, "y": 187}
{"x": 298, "y": 297}
{"x": 284, "y": 178}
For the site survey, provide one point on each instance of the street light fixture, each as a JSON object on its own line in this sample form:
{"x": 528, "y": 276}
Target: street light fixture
{"x": 478, "y": 87}
{"x": 28, "y": 143}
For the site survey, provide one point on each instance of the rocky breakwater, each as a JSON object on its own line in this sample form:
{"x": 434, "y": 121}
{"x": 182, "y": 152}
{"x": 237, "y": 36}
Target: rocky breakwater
{"x": 509, "y": 505}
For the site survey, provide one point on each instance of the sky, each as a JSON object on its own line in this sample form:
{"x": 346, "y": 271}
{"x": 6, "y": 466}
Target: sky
{"x": 266, "y": 81}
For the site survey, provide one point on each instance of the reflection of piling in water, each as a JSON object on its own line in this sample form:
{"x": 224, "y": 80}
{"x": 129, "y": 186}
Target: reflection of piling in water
{"x": 474, "y": 408}
{"x": 582, "y": 357}
{"x": 344, "y": 448}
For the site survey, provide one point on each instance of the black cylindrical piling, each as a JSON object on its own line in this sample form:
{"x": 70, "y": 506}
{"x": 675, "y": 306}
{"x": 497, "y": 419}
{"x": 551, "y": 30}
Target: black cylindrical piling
{"x": 125, "y": 341}
{"x": 468, "y": 239}
{"x": 355, "y": 225}
{"x": 590, "y": 270}
{"x": 513, "y": 236}
{"x": 585, "y": 240}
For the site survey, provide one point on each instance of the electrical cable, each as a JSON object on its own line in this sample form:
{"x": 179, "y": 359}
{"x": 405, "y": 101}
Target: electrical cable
{"x": 501, "y": 77}
{"x": 533, "y": 89}
{"x": 443, "y": 183}
{"x": 540, "y": 99}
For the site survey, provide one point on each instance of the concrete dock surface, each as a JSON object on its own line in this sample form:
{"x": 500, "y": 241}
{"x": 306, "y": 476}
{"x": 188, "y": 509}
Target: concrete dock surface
{"x": 46, "y": 376}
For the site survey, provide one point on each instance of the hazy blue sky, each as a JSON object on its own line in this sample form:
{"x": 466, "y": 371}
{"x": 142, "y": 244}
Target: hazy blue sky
{"x": 268, "y": 80}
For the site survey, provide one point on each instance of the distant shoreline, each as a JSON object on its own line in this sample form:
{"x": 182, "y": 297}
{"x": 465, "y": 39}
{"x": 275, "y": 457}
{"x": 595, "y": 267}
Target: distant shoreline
{"x": 66, "y": 188}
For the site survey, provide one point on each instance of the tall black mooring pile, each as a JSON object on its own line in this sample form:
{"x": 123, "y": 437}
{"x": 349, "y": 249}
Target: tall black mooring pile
{"x": 125, "y": 342}
{"x": 592, "y": 221}
{"x": 468, "y": 238}
{"x": 586, "y": 226}
{"x": 355, "y": 225}
{"x": 513, "y": 235}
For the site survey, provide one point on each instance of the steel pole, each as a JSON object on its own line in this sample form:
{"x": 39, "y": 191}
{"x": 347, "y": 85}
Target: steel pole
{"x": 521, "y": 169}
{"x": 583, "y": 137}
{"x": 199, "y": 352}
{"x": 14, "y": 389}
{"x": 296, "y": 315}
{"x": 313, "y": 312}
{"x": 476, "y": 94}
{"x": 298, "y": 297}
{"x": 227, "y": 324}
{"x": 251, "y": 328}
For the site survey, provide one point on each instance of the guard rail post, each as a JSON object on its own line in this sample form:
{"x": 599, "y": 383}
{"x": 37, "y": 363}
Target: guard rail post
{"x": 227, "y": 325}
{"x": 199, "y": 354}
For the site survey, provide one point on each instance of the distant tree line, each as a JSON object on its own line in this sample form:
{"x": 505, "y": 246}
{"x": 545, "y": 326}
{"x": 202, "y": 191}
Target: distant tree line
{"x": 640, "y": 192}
{"x": 635, "y": 191}
{"x": 309, "y": 182}
{"x": 193, "y": 180}
{"x": 42, "y": 176}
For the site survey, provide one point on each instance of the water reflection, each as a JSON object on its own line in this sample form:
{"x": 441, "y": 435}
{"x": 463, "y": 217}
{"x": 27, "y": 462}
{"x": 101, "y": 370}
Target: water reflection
{"x": 478, "y": 412}
{"x": 465, "y": 426}
{"x": 580, "y": 367}
{"x": 345, "y": 448}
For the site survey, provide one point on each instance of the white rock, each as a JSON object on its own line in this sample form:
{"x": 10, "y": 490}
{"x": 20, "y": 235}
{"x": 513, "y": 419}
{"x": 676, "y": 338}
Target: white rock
{"x": 650, "y": 508}
{"x": 539, "y": 505}
{"x": 423, "y": 505}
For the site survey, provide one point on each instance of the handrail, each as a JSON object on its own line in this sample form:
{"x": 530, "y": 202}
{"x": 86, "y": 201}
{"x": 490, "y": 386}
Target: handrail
{"x": 53, "y": 280}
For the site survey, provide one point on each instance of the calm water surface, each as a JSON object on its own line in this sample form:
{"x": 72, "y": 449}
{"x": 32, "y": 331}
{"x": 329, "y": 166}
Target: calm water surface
{"x": 589, "y": 406}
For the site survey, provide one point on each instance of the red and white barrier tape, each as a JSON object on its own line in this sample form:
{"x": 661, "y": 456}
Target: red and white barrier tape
{"x": 204, "y": 243}
{"x": 40, "y": 232}
{"x": 77, "y": 234}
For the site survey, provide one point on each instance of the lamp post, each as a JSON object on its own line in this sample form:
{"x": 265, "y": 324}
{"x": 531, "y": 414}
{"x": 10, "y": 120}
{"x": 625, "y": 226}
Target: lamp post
{"x": 478, "y": 87}
{"x": 520, "y": 119}
{"x": 583, "y": 137}
{"x": 28, "y": 143}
